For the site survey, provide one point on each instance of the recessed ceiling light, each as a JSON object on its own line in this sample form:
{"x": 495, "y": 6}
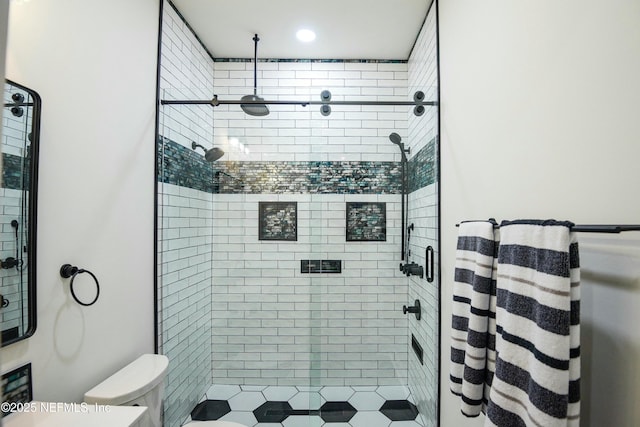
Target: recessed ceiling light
{"x": 306, "y": 35}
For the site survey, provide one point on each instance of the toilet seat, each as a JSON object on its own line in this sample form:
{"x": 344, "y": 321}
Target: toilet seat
{"x": 213, "y": 424}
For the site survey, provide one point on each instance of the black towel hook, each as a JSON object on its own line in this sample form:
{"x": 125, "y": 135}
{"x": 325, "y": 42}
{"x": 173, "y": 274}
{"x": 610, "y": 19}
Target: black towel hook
{"x": 71, "y": 271}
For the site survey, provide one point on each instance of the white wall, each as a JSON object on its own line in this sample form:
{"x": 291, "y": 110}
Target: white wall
{"x": 4, "y": 19}
{"x": 93, "y": 63}
{"x": 540, "y": 119}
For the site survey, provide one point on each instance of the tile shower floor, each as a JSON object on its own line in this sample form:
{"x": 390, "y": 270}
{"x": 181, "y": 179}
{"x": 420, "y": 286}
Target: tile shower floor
{"x": 288, "y": 406}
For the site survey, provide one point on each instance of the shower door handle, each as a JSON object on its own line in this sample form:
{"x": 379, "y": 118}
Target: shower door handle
{"x": 429, "y": 260}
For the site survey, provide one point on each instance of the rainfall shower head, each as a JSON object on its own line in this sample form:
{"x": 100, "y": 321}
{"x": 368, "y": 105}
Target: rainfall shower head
{"x": 209, "y": 155}
{"x": 214, "y": 154}
{"x": 255, "y": 105}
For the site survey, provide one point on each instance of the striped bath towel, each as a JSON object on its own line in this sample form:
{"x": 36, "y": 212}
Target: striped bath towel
{"x": 537, "y": 371}
{"x": 473, "y": 320}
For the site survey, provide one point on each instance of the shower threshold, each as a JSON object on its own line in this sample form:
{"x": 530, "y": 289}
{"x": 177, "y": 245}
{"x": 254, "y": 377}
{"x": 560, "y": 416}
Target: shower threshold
{"x": 291, "y": 406}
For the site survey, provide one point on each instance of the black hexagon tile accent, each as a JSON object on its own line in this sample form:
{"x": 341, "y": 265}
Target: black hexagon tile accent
{"x": 273, "y": 412}
{"x": 337, "y": 412}
{"x": 399, "y": 410}
{"x": 210, "y": 410}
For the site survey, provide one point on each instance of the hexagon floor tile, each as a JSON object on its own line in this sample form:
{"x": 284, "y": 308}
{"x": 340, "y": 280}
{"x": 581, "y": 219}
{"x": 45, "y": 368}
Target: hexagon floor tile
{"x": 273, "y": 412}
{"x": 247, "y": 401}
{"x": 222, "y": 392}
{"x": 337, "y": 412}
{"x": 307, "y": 400}
{"x": 399, "y": 410}
{"x": 366, "y": 401}
{"x": 394, "y": 392}
{"x": 337, "y": 394}
{"x": 244, "y": 418}
{"x": 276, "y": 394}
{"x": 369, "y": 419}
{"x": 210, "y": 410}
{"x": 302, "y": 421}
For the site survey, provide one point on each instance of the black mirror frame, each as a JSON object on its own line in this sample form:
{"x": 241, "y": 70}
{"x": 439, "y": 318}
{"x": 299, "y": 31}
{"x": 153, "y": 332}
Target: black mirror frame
{"x": 33, "y": 214}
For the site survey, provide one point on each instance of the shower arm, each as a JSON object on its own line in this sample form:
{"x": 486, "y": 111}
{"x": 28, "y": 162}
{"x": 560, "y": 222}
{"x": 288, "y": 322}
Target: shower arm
{"x": 255, "y": 65}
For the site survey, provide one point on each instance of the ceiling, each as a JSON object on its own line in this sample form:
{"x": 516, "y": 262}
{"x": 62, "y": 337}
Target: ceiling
{"x": 345, "y": 29}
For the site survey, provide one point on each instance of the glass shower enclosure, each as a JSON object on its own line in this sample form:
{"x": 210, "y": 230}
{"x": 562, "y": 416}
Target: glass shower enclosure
{"x": 299, "y": 269}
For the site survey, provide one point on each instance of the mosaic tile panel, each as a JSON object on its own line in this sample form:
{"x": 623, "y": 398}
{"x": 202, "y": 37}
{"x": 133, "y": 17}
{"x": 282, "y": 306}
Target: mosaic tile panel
{"x": 366, "y": 222}
{"x": 278, "y": 221}
{"x": 422, "y": 167}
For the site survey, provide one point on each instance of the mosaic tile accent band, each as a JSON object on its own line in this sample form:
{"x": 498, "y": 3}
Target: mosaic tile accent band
{"x": 184, "y": 167}
{"x": 309, "y": 177}
{"x": 181, "y": 166}
{"x": 316, "y": 61}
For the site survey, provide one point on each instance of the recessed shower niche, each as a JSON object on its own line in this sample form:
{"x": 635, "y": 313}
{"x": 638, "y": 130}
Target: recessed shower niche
{"x": 243, "y": 240}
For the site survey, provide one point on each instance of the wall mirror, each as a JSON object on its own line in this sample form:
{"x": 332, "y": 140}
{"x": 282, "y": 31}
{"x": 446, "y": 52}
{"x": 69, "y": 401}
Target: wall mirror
{"x": 18, "y": 198}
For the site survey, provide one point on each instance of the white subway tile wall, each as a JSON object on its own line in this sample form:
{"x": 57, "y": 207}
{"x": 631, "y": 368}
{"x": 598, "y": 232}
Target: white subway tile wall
{"x": 185, "y": 242}
{"x": 185, "y": 226}
{"x": 273, "y": 325}
{"x": 296, "y": 133}
{"x": 423, "y": 213}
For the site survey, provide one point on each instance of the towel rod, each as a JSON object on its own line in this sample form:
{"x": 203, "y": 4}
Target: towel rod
{"x": 597, "y": 228}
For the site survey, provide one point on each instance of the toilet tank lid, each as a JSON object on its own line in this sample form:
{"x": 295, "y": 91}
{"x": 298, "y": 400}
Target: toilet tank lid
{"x": 130, "y": 382}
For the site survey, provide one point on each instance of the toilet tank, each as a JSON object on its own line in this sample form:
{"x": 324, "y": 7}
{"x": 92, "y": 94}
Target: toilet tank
{"x": 140, "y": 383}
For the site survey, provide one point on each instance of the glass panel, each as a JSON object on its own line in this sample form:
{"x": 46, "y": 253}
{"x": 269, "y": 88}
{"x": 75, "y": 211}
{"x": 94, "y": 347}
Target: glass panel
{"x": 186, "y": 200}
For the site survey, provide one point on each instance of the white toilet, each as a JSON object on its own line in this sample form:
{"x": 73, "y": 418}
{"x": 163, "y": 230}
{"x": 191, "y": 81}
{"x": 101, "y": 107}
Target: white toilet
{"x": 140, "y": 383}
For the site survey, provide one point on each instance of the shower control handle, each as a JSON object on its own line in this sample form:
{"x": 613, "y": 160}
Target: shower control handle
{"x": 415, "y": 309}
{"x": 412, "y": 269}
